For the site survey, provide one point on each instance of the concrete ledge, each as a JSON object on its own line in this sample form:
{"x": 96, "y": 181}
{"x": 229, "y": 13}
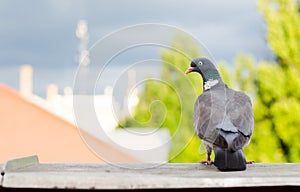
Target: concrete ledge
{"x": 147, "y": 176}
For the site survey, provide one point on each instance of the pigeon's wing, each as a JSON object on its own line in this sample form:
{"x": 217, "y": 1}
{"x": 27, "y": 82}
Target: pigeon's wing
{"x": 202, "y": 112}
{"x": 239, "y": 110}
{"x": 206, "y": 118}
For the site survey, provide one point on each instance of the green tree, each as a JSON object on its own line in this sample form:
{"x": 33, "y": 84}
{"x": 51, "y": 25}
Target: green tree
{"x": 278, "y": 84}
{"x": 283, "y": 36}
{"x": 275, "y": 86}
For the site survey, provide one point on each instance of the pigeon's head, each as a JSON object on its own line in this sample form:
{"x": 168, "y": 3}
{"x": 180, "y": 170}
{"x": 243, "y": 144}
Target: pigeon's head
{"x": 205, "y": 67}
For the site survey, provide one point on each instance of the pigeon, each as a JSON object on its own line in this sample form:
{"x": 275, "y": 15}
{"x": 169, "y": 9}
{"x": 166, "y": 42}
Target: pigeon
{"x": 223, "y": 118}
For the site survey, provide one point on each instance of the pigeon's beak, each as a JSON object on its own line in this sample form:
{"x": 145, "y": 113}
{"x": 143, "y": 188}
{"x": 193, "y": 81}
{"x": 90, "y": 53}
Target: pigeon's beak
{"x": 189, "y": 70}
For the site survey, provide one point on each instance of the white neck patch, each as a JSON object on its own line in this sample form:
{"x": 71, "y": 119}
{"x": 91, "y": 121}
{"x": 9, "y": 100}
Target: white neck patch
{"x": 210, "y": 83}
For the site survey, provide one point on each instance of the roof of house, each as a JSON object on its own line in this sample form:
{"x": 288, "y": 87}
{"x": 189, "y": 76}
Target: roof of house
{"x": 28, "y": 129}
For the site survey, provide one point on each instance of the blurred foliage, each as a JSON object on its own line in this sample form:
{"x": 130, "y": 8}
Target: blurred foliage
{"x": 278, "y": 84}
{"x": 273, "y": 86}
{"x": 282, "y": 19}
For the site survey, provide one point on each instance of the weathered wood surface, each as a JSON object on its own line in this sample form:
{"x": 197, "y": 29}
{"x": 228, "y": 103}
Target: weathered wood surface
{"x": 146, "y": 176}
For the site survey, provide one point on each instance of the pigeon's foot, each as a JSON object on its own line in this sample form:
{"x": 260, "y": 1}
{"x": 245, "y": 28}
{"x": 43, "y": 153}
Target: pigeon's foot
{"x": 207, "y": 162}
{"x": 250, "y": 162}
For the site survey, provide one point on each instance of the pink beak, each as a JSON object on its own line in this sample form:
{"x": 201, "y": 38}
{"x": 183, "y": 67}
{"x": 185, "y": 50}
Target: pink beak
{"x": 189, "y": 70}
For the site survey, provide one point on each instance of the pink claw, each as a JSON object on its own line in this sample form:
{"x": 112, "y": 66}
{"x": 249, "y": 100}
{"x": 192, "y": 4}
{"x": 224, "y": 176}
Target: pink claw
{"x": 207, "y": 162}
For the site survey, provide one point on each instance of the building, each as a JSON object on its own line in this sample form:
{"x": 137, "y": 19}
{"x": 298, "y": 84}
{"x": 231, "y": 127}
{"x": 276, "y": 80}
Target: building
{"x": 27, "y": 128}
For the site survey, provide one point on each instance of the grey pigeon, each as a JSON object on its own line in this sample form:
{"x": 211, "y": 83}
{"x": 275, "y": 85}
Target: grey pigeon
{"x": 223, "y": 118}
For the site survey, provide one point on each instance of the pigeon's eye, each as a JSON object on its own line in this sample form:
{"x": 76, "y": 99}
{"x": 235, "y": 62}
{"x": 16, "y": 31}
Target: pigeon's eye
{"x": 200, "y": 63}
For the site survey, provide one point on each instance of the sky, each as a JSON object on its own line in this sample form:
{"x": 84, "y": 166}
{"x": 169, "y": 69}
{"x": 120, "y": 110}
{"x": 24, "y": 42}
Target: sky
{"x": 42, "y": 33}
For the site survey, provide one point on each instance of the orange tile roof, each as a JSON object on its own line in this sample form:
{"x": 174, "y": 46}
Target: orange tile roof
{"x": 27, "y": 129}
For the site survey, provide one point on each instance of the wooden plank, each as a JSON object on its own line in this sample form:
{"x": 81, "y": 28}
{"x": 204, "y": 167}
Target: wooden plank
{"x": 149, "y": 176}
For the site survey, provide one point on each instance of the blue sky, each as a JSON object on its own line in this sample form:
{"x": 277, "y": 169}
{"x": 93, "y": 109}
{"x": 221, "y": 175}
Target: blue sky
{"x": 42, "y": 33}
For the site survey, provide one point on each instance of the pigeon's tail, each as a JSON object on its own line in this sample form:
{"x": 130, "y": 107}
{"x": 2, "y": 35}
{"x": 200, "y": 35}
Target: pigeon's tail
{"x": 228, "y": 160}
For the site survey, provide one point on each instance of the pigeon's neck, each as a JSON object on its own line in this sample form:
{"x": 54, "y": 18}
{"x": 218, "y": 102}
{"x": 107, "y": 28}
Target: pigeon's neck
{"x": 211, "y": 79}
{"x": 209, "y": 84}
